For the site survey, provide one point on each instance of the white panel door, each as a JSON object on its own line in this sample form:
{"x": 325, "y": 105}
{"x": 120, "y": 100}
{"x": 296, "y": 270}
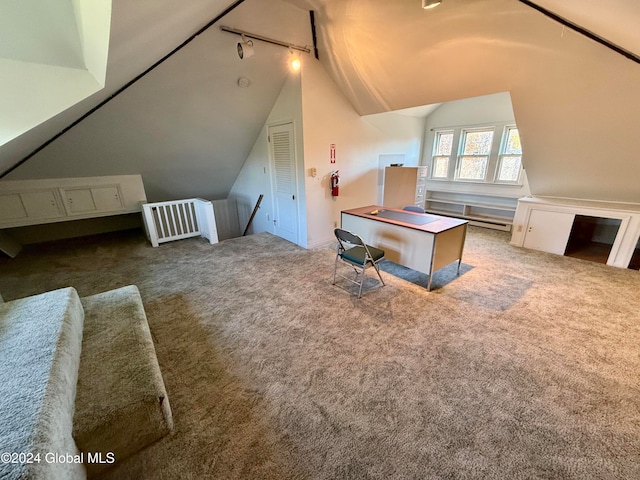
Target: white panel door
{"x": 548, "y": 231}
{"x": 282, "y": 153}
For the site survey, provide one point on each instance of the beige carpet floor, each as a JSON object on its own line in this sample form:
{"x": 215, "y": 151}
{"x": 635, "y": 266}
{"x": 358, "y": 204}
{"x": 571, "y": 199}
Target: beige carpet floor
{"x": 525, "y": 366}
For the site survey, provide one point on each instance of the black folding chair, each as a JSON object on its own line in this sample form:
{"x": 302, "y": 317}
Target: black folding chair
{"x": 353, "y": 251}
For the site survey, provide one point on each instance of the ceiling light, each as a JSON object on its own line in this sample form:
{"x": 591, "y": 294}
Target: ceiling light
{"x": 245, "y": 48}
{"x": 427, "y": 4}
{"x": 294, "y": 60}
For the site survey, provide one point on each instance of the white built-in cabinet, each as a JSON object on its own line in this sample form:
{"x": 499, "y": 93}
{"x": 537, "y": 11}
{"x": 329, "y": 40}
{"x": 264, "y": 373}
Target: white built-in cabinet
{"x": 404, "y": 186}
{"x": 32, "y": 202}
{"x": 547, "y": 223}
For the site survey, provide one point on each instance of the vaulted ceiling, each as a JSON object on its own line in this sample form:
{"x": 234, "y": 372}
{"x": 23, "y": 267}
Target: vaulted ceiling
{"x": 188, "y": 126}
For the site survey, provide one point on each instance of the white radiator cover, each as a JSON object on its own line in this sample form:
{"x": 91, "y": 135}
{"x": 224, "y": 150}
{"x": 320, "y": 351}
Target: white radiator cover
{"x": 178, "y": 219}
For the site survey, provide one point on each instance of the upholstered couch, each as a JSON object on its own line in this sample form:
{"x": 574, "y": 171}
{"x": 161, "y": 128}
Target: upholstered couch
{"x": 80, "y": 384}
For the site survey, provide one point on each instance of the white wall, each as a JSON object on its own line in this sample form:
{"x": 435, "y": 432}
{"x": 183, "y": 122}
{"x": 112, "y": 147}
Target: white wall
{"x": 255, "y": 177}
{"x": 322, "y": 116}
{"x": 484, "y": 110}
{"x": 329, "y": 118}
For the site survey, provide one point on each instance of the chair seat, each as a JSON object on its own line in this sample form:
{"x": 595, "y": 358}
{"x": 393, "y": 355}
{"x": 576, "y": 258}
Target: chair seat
{"x": 358, "y": 254}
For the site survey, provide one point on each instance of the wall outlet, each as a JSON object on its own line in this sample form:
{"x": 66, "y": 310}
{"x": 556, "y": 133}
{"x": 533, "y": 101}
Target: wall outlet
{"x": 335, "y": 224}
{"x": 268, "y": 217}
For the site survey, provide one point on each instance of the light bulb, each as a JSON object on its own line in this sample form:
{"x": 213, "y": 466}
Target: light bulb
{"x": 295, "y": 64}
{"x": 427, "y": 4}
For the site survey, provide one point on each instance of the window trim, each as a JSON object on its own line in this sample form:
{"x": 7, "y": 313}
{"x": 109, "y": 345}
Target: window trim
{"x": 502, "y": 154}
{"x": 463, "y": 137}
{"x": 493, "y": 161}
{"x": 436, "y": 138}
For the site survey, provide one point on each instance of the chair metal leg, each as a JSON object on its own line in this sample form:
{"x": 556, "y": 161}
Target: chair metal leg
{"x": 361, "y": 281}
{"x": 335, "y": 269}
{"x": 377, "y": 267}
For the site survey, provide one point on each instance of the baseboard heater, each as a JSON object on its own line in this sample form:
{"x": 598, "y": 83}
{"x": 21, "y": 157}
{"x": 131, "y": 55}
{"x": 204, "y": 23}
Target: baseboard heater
{"x": 505, "y": 227}
{"x": 178, "y": 219}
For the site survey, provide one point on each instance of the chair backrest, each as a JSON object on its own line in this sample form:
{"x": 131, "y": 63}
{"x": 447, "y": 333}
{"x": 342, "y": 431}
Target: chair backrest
{"x": 414, "y": 208}
{"x": 348, "y": 237}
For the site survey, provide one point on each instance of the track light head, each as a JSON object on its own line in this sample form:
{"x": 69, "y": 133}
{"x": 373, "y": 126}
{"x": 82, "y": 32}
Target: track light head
{"x": 427, "y": 4}
{"x": 245, "y": 48}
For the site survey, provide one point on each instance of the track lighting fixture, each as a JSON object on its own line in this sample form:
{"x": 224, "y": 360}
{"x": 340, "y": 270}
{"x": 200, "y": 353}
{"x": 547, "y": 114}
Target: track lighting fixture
{"x": 245, "y": 48}
{"x": 427, "y": 4}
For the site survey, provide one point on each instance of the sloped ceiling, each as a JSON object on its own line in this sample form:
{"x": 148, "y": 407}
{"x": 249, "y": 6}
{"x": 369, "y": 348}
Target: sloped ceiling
{"x": 576, "y": 101}
{"x": 187, "y": 127}
{"x": 52, "y": 55}
{"x": 614, "y": 20}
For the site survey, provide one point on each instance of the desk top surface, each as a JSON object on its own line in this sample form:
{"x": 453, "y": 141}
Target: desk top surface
{"x": 433, "y": 223}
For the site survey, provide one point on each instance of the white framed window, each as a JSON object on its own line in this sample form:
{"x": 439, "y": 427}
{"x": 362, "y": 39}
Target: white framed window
{"x": 475, "y": 150}
{"x": 442, "y": 149}
{"x": 488, "y": 154}
{"x": 510, "y": 157}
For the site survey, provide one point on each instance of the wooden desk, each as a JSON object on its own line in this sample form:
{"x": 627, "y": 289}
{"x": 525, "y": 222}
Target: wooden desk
{"x": 406, "y": 240}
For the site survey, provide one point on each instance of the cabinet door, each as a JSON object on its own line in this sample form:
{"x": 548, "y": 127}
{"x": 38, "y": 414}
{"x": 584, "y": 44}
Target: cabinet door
{"x": 79, "y": 200}
{"x": 11, "y": 207}
{"x": 107, "y": 198}
{"x": 41, "y": 204}
{"x": 548, "y": 231}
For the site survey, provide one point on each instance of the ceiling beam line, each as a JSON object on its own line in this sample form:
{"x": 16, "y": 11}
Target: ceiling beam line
{"x": 219, "y": 17}
{"x": 312, "y": 19}
{"x": 583, "y": 31}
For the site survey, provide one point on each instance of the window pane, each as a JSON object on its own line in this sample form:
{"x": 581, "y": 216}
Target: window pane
{"x": 472, "y": 168}
{"x": 440, "y": 167}
{"x": 443, "y": 144}
{"x": 478, "y": 143}
{"x": 512, "y": 145}
{"x": 509, "y": 169}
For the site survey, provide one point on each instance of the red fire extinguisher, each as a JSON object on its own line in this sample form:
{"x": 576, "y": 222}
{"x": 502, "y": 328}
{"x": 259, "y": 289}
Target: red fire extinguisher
{"x": 335, "y": 181}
